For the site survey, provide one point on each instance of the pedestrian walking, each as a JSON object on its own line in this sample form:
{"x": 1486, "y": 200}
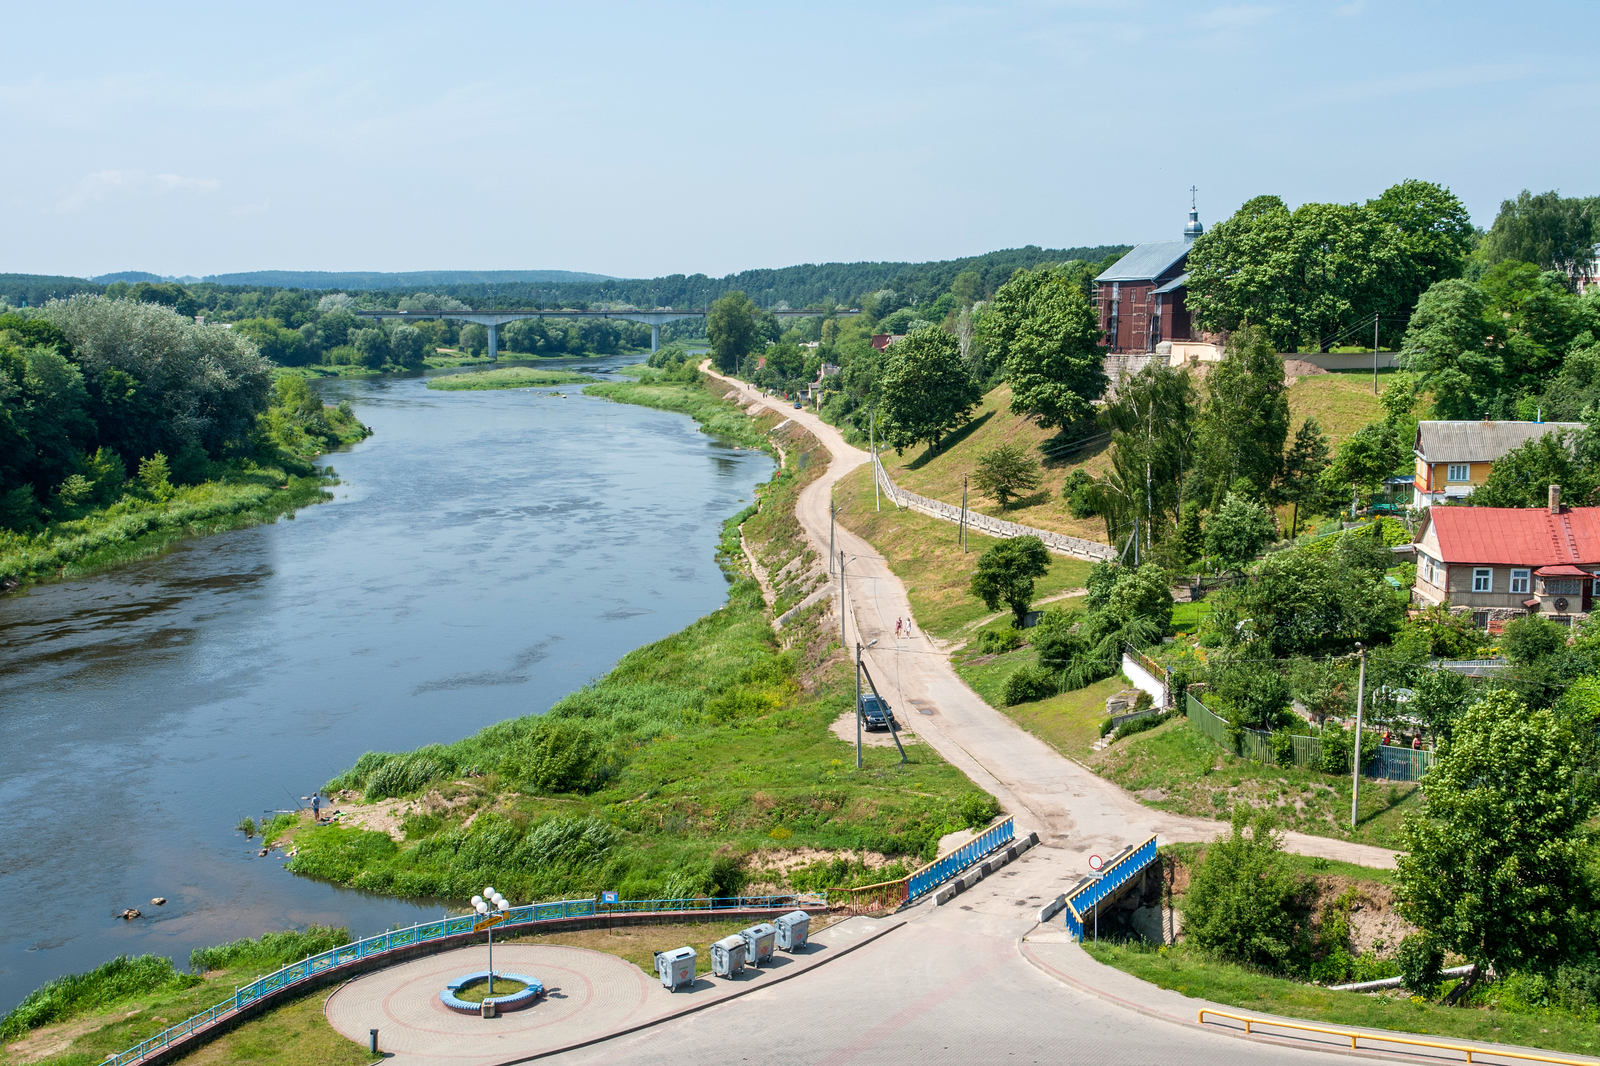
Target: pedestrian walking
{"x": 897, "y": 627}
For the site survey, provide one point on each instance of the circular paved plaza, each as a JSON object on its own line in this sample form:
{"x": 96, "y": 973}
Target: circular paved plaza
{"x": 587, "y": 994}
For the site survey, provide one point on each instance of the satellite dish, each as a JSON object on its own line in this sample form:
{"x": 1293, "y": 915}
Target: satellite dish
{"x": 1561, "y": 603}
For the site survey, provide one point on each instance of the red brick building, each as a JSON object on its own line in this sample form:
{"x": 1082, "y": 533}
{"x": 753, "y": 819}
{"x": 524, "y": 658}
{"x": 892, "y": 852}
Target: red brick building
{"x": 1141, "y": 296}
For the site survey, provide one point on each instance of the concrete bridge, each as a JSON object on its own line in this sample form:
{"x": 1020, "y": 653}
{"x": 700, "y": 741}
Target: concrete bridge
{"x": 656, "y": 318}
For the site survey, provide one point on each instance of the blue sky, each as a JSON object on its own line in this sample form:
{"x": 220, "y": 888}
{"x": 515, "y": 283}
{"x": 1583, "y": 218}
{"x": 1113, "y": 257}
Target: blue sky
{"x": 637, "y": 140}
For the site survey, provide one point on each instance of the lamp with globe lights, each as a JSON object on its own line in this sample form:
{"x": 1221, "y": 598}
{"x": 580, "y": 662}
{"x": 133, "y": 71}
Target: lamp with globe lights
{"x": 492, "y": 908}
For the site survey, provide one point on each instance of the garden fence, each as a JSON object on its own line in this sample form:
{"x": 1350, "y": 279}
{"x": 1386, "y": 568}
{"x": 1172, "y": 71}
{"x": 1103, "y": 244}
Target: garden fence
{"x": 1391, "y": 763}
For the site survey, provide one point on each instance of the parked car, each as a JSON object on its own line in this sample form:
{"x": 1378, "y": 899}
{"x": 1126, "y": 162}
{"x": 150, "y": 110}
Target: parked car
{"x": 876, "y": 712}
{"x": 797, "y": 405}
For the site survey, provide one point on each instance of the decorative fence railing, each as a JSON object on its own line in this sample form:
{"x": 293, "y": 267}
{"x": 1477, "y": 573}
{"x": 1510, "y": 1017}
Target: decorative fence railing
{"x": 1088, "y": 893}
{"x": 423, "y": 932}
{"x": 1391, "y": 763}
{"x": 889, "y": 894}
{"x": 994, "y": 527}
{"x": 1148, "y": 675}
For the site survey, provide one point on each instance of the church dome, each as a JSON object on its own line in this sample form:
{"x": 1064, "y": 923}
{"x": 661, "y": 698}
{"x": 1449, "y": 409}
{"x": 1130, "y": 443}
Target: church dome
{"x": 1193, "y": 228}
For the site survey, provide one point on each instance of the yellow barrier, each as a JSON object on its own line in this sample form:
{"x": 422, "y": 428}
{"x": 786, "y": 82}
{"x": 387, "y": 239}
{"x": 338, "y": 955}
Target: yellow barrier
{"x": 1353, "y": 1037}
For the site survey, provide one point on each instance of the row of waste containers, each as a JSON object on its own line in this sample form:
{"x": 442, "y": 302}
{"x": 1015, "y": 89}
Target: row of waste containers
{"x": 731, "y": 954}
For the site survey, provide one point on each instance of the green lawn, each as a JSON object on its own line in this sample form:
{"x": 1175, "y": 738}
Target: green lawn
{"x": 923, "y": 552}
{"x": 1183, "y": 970}
{"x": 508, "y": 377}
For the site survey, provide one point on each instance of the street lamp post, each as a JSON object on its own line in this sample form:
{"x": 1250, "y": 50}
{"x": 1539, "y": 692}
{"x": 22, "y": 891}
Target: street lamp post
{"x": 858, "y": 702}
{"x": 491, "y": 903}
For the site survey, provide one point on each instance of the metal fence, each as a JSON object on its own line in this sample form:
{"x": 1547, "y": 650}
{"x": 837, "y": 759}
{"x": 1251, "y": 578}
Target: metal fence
{"x": 1391, "y": 763}
{"x": 424, "y": 932}
{"x": 1088, "y": 894}
{"x": 889, "y": 894}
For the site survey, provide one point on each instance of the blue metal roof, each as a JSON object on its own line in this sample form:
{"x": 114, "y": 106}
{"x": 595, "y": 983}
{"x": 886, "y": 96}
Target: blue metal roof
{"x": 1147, "y": 261}
{"x": 1176, "y": 283}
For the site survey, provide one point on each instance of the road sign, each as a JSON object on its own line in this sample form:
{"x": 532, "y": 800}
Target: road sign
{"x": 608, "y": 897}
{"x": 488, "y": 922}
{"x": 1095, "y": 862}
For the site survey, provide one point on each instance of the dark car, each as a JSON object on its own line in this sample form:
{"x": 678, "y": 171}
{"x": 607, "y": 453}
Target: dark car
{"x": 876, "y": 713}
{"x": 797, "y": 405}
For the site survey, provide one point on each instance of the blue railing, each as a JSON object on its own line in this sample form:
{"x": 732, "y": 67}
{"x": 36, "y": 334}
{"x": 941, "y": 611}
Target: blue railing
{"x": 423, "y": 932}
{"x": 1124, "y": 868}
{"x": 941, "y": 869}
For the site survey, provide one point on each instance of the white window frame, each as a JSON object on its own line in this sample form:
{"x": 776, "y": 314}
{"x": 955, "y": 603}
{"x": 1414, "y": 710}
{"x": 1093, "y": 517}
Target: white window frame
{"x": 1482, "y": 579}
{"x": 1450, "y": 473}
{"x": 1521, "y": 580}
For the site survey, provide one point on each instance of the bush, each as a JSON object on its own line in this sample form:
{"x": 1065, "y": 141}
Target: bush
{"x": 1243, "y": 899}
{"x": 1140, "y": 725}
{"x": 978, "y": 809}
{"x": 1028, "y": 683}
{"x": 1420, "y": 958}
{"x": 999, "y": 641}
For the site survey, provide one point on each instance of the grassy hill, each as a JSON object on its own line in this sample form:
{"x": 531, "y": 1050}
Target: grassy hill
{"x": 1341, "y": 402}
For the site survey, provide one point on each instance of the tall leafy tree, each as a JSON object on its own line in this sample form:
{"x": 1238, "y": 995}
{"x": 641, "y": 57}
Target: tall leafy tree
{"x": 1047, "y": 336}
{"x": 1242, "y": 269}
{"x": 1006, "y": 573}
{"x": 732, "y": 329}
{"x": 1365, "y": 458}
{"x": 1523, "y": 476}
{"x": 1424, "y": 235}
{"x": 1447, "y": 346}
{"x": 1237, "y": 530}
{"x": 1153, "y": 422}
{"x": 1548, "y": 229}
{"x": 925, "y": 391}
{"x": 1246, "y": 417}
{"x": 1496, "y": 865}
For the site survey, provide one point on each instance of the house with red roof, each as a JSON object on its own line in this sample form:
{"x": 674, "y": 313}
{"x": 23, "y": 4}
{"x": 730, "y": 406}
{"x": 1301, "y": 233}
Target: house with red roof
{"x": 1501, "y": 562}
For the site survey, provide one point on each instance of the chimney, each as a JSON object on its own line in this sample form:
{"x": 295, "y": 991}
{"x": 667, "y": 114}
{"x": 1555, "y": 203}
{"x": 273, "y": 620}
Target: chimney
{"x": 1555, "y": 499}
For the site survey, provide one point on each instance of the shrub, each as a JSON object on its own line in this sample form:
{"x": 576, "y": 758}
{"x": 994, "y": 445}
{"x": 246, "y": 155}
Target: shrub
{"x": 1420, "y": 958}
{"x": 999, "y": 641}
{"x": 1243, "y": 899}
{"x": 1028, "y": 683}
{"x": 1140, "y": 725}
{"x": 978, "y": 809}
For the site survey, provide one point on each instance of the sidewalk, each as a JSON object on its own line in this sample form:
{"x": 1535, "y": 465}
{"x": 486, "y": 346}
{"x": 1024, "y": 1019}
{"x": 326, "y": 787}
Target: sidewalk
{"x": 1053, "y": 951}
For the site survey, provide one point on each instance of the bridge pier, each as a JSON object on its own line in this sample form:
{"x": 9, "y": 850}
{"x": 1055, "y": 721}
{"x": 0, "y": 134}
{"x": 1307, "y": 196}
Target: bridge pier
{"x": 655, "y": 337}
{"x": 494, "y": 341}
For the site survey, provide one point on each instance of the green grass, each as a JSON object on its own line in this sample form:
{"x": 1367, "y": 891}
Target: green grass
{"x": 1186, "y": 617}
{"x": 924, "y": 554}
{"x": 718, "y": 417}
{"x": 478, "y": 991}
{"x": 1177, "y": 768}
{"x": 1341, "y": 403}
{"x": 1192, "y": 974}
{"x": 508, "y": 377}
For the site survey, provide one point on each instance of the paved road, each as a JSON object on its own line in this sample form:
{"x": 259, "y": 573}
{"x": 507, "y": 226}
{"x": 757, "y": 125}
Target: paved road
{"x": 1067, "y": 805}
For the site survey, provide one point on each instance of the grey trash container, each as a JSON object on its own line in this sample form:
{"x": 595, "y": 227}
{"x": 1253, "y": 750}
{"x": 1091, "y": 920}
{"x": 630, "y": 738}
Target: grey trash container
{"x": 727, "y": 956}
{"x": 793, "y": 929}
{"x": 759, "y": 941}
{"x": 676, "y": 968}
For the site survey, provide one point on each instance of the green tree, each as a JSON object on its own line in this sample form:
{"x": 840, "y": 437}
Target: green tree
{"x": 1438, "y": 700}
{"x": 1300, "y": 482}
{"x": 1006, "y": 573}
{"x": 1550, "y": 230}
{"x": 407, "y": 347}
{"x": 1365, "y": 458}
{"x": 1237, "y": 530}
{"x": 1306, "y": 602}
{"x": 1047, "y": 337}
{"x": 1241, "y": 272}
{"x": 372, "y": 347}
{"x": 1243, "y": 898}
{"x": 925, "y": 391}
{"x": 1446, "y": 344}
{"x": 1424, "y": 235}
{"x": 1246, "y": 417}
{"x": 1530, "y": 638}
{"x": 155, "y": 477}
{"x": 1496, "y": 865}
{"x": 1523, "y": 476}
{"x": 1006, "y": 472}
{"x": 1152, "y": 422}
{"x": 731, "y": 328}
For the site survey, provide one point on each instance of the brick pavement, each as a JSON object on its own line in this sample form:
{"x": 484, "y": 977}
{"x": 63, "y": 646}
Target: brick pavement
{"x": 590, "y": 995}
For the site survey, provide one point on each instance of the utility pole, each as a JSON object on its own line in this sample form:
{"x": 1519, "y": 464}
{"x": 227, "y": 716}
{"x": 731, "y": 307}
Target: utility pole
{"x": 1374, "y": 353}
{"x": 963, "y": 514}
{"x": 858, "y": 705}
{"x": 832, "y": 512}
{"x": 842, "y": 643}
{"x": 1355, "y": 758}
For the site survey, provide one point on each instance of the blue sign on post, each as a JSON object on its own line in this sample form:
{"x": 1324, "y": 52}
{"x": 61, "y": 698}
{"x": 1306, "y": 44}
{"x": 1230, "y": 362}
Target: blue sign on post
{"x": 608, "y": 897}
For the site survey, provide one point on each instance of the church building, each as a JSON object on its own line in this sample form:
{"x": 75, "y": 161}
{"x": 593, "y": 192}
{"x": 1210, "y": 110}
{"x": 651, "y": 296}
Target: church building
{"x": 1141, "y": 296}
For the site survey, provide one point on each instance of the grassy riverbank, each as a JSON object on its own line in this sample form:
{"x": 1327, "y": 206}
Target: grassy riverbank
{"x": 703, "y": 764}
{"x": 701, "y": 401}
{"x": 149, "y": 514}
{"x": 509, "y": 377}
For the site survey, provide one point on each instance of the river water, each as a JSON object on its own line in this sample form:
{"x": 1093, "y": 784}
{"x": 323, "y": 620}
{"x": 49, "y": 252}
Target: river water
{"x": 487, "y": 553}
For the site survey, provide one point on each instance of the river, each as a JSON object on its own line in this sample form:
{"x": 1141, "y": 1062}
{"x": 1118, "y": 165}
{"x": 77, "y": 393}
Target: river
{"x": 486, "y": 553}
